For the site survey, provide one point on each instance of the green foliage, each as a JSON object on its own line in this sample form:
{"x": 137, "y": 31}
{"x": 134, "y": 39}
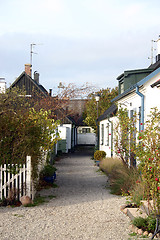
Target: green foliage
{"x": 122, "y": 179}
{"x": 37, "y": 201}
{"x": 99, "y": 155}
{"x": 147, "y": 224}
{"x": 48, "y": 171}
{"x": 148, "y": 152}
{"x": 138, "y": 192}
{"x": 140, "y": 222}
{"x": 90, "y": 114}
{"x": 125, "y": 136}
{"x": 24, "y": 131}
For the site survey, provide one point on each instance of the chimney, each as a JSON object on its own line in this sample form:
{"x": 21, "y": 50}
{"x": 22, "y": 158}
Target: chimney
{"x": 36, "y": 77}
{"x": 28, "y": 69}
{"x": 50, "y": 92}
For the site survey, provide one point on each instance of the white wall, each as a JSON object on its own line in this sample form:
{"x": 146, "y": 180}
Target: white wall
{"x": 86, "y": 138}
{"x": 64, "y": 133}
{"x": 69, "y": 135}
{"x": 151, "y": 98}
{"x": 86, "y": 135}
{"x": 107, "y": 143}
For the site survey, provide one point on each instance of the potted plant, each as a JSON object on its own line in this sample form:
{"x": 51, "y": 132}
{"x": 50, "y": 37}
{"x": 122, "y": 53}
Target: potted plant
{"x": 49, "y": 173}
{"x": 98, "y": 156}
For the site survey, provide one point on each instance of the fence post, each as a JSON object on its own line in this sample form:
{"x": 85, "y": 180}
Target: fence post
{"x": 28, "y": 177}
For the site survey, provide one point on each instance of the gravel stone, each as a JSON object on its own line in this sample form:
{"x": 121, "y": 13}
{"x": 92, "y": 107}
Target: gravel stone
{"x": 82, "y": 210}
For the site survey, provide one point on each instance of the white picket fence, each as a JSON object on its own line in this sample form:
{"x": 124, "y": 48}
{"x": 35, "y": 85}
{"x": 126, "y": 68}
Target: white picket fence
{"x": 20, "y": 182}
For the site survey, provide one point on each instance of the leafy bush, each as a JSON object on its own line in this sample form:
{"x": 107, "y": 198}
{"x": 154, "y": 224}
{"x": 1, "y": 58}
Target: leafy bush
{"x": 140, "y": 222}
{"x": 151, "y": 222}
{"x": 148, "y": 152}
{"x": 146, "y": 224}
{"x": 48, "y": 171}
{"x": 99, "y": 155}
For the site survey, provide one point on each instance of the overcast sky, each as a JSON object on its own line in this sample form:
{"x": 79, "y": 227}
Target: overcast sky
{"x": 82, "y": 40}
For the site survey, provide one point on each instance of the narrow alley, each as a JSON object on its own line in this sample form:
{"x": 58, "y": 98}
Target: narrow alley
{"x": 83, "y": 208}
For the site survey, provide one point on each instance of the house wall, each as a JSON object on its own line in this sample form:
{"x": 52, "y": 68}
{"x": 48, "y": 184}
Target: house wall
{"x": 132, "y": 102}
{"x": 86, "y": 136}
{"x": 65, "y": 139}
{"x": 68, "y": 135}
{"x": 86, "y": 139}
{"x": 106, "y": 136}
{"x": 151, "y": 98}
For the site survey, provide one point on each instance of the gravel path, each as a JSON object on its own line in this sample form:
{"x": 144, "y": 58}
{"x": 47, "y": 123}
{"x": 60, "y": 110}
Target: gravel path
{"x": 83, "y": 208}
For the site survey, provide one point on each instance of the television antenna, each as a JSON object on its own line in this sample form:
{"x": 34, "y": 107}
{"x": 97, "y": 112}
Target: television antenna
{"x": 32, "y": 52}
{"x": 152, "y": 50}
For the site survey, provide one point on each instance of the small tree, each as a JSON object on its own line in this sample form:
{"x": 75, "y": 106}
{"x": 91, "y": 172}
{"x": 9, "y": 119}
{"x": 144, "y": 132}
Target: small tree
{"x": 23, "y": 130}
{"x": 90, "y": 114}
{"x": 148, "y": 153}
{"x": 125, "y": 136}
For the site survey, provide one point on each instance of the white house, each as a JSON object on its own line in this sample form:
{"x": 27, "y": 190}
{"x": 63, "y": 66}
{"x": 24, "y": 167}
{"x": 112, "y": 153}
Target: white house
{"x": 139, "y": 91}
{"x": 106, "y": 123}
{"x": 142, "y": 97}
{"x": 86, "y": 135}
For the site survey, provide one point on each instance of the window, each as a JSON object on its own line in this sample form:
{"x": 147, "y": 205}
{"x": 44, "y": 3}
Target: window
{"x": 86, "y": 130}
{"x": 102, "y": 134}
{"x": 107, "y": 134}
{"x": 122, "y": 87}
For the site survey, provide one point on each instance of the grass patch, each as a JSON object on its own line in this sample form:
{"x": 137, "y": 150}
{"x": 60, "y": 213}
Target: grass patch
{"x": 18, "y": 215}
{"x": 107, "y": 164}
{"x": 133, "y": 234}
{"x": 146, "y": 224}
{"x": 54, "y": 185}
{"x": 37, "y": 201}
{"x": 121, "y": 178}
{"x": 51, "y": 196}
{"x": 40, "y": 200}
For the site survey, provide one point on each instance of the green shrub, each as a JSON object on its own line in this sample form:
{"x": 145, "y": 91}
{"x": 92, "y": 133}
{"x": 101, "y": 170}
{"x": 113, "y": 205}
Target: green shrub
{"x": 48, "y": 171}
{"x": 146, "y": 224}
{"x": 122, "y": 179}
{"x": 151, "y": 223}
{"x": 99, "y": 155}
{"x": 138, "y": 192}
{"x": 140, "y": 222}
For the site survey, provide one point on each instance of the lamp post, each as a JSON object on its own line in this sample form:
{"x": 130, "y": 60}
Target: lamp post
{"x": 97, "y": 98}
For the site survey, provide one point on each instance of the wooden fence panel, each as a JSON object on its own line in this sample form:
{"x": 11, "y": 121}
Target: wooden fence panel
{"x": 20, "y": 182}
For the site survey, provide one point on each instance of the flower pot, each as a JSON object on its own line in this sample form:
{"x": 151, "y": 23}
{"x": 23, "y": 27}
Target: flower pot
{"x": 50, "y": 179}
{"x": 97, "y": 162}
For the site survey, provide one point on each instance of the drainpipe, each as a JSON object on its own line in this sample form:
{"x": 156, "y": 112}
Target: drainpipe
{"x": 142, "y": 107}
{"x": 111, "y": 136}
